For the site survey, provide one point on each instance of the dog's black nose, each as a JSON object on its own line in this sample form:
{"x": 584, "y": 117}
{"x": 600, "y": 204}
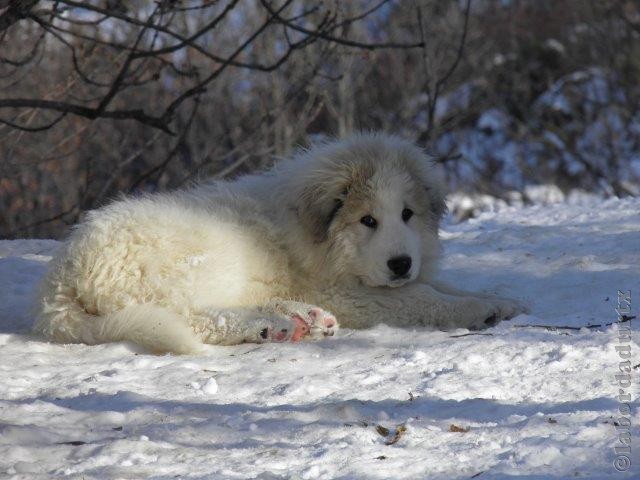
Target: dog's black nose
{"x": 400, "y": 265}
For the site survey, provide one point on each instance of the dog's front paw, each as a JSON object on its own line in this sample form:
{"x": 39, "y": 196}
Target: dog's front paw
{"x": 305, "y": 322}
{"x": 478, "y": 314}
{"x": 488, "y": 312}
{"x": 508, "y": 308}
{"x": 323, "y": 324}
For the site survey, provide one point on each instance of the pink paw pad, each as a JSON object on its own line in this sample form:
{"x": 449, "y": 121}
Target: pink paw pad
{"x": 274, "y": 336}
{"x": 301, "y": 330}
{"x": 315, "y": 324}
{"x": 323, "y": 319}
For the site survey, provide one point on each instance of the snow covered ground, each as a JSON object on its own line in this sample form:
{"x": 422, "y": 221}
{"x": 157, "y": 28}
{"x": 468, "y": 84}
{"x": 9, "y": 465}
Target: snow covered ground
{"x": 382, "y": 404}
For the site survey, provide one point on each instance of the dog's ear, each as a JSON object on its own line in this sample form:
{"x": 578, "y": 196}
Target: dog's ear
{"x": 437, "y": 199}
{"x": 433, "y": 183}
{"x": 318, "y": 205}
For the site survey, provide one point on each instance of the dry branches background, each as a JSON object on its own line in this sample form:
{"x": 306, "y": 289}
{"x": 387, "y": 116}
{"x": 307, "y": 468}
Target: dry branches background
{"x": 107, "y": 96}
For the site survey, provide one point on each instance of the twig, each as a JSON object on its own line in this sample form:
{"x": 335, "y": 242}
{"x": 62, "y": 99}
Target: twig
{"x": 552, "y": 328}
{"x": 318, "y": 33}
{"x": 471, "y": 333}
{"x": 86, "y": 112}
{"x": 57, "y": 216}
{"x": 17, "y": 10}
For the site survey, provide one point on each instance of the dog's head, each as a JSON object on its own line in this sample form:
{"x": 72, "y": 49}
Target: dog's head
{"x": 375, "y": 203}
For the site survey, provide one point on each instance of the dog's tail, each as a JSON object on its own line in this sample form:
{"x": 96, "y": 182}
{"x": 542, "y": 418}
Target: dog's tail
{"x": 157, "y": 329}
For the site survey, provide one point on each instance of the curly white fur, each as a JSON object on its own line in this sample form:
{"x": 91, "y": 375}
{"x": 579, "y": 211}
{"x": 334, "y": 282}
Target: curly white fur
{"x": 216, "y": 263}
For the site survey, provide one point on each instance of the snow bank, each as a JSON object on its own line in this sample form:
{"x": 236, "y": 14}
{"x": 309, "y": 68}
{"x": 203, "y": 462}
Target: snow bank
{"x": 382, "y": 403}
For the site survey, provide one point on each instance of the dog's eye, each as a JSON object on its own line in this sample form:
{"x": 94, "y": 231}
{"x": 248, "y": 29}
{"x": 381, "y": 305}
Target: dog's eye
{"x": 369, "y": 221}
{"x": 407, "y": 213}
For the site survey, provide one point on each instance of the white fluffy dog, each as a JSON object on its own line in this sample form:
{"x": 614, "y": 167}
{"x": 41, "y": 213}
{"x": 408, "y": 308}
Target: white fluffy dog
{"x": 349, "y": 226}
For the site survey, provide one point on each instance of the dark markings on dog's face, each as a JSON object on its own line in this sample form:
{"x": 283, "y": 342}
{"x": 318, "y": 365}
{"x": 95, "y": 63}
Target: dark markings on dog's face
{"x": 336, "y": 208}
{"x": 322, "y": 201}
{"x": 319, "y": 205}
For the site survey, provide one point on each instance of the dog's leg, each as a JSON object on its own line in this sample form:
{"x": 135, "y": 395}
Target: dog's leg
{"x": 416, "y": 304}
{"x": 508, "y": 307}
{"x": 278, "y": 321}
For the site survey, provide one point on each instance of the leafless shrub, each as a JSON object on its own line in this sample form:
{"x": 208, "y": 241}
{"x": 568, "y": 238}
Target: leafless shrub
{"x": 106, "y": 96}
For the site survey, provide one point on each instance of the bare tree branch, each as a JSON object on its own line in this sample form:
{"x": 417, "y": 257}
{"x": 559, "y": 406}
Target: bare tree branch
{"x": 463, "y": 38}
{"x": 324, "y": 35}
{"x": 16, "y": 11}
{"x": 34, "y": 129}
{"x": 90, "y": 113}
{"x": 200, "y": 87}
